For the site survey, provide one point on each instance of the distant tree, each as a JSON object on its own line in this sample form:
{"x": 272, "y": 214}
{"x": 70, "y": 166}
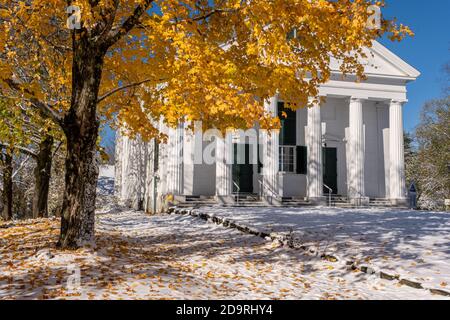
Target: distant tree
{"x": 447, "y": 80}
{"x": 410, "y": 157}
{"x": 427, "y": 152}
{"x": 431, "y": 164}
{"x": 6, "y": 162}
{"x": 24, "y": 131}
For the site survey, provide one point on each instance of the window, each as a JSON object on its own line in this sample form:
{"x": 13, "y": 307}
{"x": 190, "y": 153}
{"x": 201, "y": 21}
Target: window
{"x": 287, "y": 159}
{"x": 293, "y": 159}
{"x": 288, "y": 119}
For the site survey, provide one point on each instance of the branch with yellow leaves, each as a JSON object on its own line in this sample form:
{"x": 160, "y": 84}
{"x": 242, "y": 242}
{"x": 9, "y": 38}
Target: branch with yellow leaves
{"x": 212, "y": 12}
{"x": 45, "y": 109}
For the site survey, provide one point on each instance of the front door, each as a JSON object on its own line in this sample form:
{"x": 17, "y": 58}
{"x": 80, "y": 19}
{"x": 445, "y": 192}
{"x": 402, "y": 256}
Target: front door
{"x": 242, "y": 173}
{"x": 330, "y": 169}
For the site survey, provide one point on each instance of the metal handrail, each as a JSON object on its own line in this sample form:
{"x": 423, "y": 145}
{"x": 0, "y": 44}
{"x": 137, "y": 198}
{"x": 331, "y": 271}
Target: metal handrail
{"x": 238, "y": 190}
{"x": 261, "y": 188}
{"x": 330, "y": 191}
{"x": 264, "y": 186}
{"x": 353, "y": 190}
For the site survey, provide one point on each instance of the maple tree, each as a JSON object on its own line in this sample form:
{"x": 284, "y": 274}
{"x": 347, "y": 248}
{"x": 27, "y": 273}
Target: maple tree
{"x": 143, "y": 60}
{"x": 24, "y": 131}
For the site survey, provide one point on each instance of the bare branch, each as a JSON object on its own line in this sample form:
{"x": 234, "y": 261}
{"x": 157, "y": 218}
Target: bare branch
{"x": 57, "y": 148}
{"x": 134, "y": 84}
{"x": 22, "y": 164}
{"x": 24, "y": 150}
{"x": 128, "y": 25}
{"x": 209, "y": 14}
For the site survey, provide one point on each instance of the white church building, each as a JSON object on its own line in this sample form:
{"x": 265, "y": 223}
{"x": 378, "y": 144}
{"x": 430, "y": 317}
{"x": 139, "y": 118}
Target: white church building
{"x": 349, "y": 149}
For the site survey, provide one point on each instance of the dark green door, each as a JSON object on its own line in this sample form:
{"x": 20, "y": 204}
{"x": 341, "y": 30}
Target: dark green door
{"x": 330, "y": 169}
{"x": 242, "y": 173}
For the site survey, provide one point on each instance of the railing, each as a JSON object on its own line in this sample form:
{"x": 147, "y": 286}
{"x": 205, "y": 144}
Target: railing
{"x": 263, "y": 187}
{"x": 330, "y": 191}
{"x": 238, "y": 191}
{"x": 353, "y": 191}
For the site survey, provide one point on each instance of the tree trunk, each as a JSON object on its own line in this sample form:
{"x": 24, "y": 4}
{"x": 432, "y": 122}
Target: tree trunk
{"x": 81, "y": 126}
{"x": 42, "y": 174}
{"x": 7, "y": 194}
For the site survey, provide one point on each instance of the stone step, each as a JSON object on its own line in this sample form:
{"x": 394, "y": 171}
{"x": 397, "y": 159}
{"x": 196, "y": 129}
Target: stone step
{"x": 297, "y": 204}
{"x": 294, "y": 201}
{"x": 200, "y": 201}
{"x": 246, "y": 196}
{"x": 349, "y": 206}
{"x": 195, "y": 205}
{"x": 195, "y": 198}
{"x": 244, "y": 204}
{"x": 380, "y": 203}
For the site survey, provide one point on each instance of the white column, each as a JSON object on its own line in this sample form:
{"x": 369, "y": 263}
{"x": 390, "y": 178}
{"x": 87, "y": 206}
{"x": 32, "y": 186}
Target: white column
{"x": 224, "y": 174}
{"x": 175, "y": 161}
{"x": 271, "y": 155}
{"x": 356, "y": 189}
{"x": 189, "y": 149}
{"x": 133, "y": 171}
{"x": 396, "y": 153}
{"x": 118, "y": 164}
{"x": 314, "y": 144}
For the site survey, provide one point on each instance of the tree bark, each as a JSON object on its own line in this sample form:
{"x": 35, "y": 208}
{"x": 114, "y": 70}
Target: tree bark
{"x": 42, "y": 174}
{"x": 7, "y": 194}
{"x": 81, "y": 126}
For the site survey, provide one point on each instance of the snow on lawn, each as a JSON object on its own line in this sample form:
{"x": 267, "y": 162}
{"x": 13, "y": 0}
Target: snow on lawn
{"x": 413, "y": 244}
{"x": 173, "y": 257}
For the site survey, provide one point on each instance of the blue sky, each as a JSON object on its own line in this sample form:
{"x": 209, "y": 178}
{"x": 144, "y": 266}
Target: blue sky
{"x": 427, "y": 51}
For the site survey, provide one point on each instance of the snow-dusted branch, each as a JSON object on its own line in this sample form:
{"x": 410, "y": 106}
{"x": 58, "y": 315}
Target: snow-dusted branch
{"x": 128, "y": 25}
{"x": 121, "y": 88}
{"x": 24, "y": 150}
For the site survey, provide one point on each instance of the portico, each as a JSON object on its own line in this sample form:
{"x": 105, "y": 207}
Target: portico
{"x": 350, "y": 145}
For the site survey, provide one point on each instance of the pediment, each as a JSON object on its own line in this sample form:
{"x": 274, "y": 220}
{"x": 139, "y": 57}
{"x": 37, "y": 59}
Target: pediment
{"x": 383, "y": 62}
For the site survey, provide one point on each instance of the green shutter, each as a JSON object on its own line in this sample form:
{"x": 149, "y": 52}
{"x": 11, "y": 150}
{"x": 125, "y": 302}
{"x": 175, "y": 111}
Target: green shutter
{"x": 260, "y": 152}
{"x": 302, "y": 159}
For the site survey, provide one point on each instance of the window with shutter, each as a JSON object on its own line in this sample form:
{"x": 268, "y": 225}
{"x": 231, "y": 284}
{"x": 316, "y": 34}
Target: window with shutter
{"x": 302, "y": 154}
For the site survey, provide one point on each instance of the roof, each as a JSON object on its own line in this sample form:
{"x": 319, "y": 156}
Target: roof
{"x": 382, "y": 62}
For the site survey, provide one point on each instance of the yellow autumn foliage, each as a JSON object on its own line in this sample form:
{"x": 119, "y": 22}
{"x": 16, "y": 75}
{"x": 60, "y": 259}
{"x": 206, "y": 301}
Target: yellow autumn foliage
{"x": 185, "y": 60}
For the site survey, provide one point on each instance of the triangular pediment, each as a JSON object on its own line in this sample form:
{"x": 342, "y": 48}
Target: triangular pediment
{"x": 383, "y": 62}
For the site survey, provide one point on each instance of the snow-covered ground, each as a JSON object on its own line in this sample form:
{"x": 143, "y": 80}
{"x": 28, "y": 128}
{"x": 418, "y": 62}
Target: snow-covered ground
{"x": 138, "y": 256}
{"x": 106, "y": 171}
{"x": 413, "y": 244}
{"x": 174, "y": 257}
